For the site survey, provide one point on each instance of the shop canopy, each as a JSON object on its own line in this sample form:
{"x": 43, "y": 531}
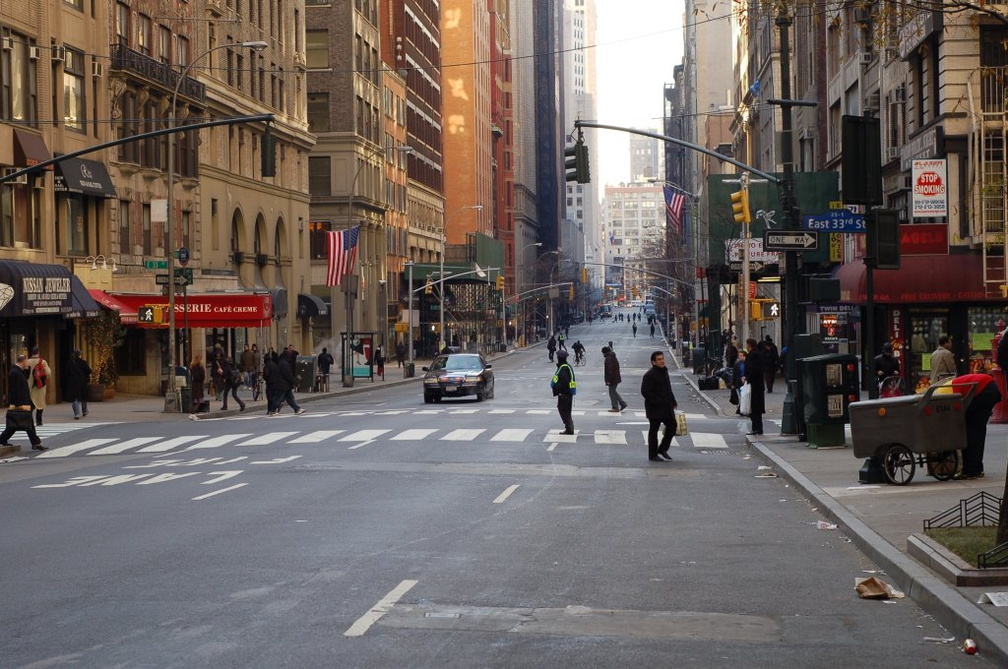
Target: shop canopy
{"x": 38, "y": 289}
{"x": 209, "y": 310}
{"x": 929, "y": 278}
{"x": 126, "y": 313}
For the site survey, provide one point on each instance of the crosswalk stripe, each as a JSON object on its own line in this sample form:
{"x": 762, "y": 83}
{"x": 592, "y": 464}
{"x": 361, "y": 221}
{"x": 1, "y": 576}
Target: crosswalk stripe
{"x": 610, "y": 437}
{"x": 215, "y": 442}
{"x": 64, "y": 451}
{"x": 364, "y": 435}
{"x": 267, "y": 439}
{"x": 172, "y": 443}
{"x": 540, "y": 412}
{"x": 124, "y": 446}
{"x": 416, "y": 434}
{"x": 462, "y": 435}
{"x": 498, "y": 411}
{"x": 511, "y": 434}
{"x": 463, "y": 411}
{"x": 708, "y": 440}
{"x": 317, "y": 436}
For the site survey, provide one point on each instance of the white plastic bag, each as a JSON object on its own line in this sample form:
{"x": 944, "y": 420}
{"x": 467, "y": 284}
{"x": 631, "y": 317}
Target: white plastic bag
{"x": 745, "y": 399}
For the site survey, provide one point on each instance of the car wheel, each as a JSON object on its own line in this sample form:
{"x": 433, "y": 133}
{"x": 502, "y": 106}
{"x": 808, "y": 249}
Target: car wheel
{"x": 427, "y": 398}
{"x": 480, "y": 397}
{"x": 437, "y": 398}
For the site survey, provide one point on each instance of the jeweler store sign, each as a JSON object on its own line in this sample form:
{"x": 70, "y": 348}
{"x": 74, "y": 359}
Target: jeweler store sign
{"x": 930, "y": 188}
{"x": 45, "y": 295}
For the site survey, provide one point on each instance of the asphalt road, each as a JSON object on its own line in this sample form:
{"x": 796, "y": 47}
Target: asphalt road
{"x": 377, "y": 531}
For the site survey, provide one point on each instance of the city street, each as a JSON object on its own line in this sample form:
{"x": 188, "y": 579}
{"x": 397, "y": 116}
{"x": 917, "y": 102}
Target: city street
{"x": 377, "y": 531}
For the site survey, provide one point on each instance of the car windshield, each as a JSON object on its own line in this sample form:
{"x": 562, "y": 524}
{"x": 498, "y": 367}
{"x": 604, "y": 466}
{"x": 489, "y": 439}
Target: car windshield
{"x": 457, "y": 363}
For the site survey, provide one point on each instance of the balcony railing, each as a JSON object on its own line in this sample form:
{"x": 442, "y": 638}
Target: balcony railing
{"x": 141, "y": 65}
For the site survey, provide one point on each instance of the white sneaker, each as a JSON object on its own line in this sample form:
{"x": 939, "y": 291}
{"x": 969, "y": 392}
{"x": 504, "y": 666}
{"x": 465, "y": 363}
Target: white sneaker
{"x": 300, "y": 411}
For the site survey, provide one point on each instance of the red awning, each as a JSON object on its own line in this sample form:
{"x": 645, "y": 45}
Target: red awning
{"x": 126, "y": 313}
{"x": 939, "y": 278}
{"x": 217, "y": 310}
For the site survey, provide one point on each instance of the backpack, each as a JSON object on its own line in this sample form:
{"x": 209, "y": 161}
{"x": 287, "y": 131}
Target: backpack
{"x": 39, "y": 377}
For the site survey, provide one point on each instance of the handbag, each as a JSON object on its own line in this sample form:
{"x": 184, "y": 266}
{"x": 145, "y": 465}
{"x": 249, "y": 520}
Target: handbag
{"x": 733, "y": 398}
{"x": 680, "y": 418}
{"x": 745, "y": 399}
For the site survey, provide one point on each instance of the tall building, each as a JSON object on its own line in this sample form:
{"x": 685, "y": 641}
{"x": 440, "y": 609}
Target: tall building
{"x": 635, "y": 231}
{"x": 646, "y": 159}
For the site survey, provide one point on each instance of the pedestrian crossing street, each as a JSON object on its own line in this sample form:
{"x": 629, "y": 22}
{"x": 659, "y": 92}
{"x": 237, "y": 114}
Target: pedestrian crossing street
{"x": 354, "y": 439}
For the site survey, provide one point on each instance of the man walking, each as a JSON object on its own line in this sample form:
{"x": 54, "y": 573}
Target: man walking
{"x": 755, "y": 377}
{"x": 611, "y": 375}
{"x": 19, "y": 415}
{"x": 564, "y": 388}
{"x": 76, "y": 375}
{"x": 942, "y": 360}
{"x": 248, "y": 366}
{"x": 285, "y": 383}
{"x": 771, "y": 360}
{"x": 659, "y": 407}
{"x": 38, "y": 378}
{"x": 325, "y": 363}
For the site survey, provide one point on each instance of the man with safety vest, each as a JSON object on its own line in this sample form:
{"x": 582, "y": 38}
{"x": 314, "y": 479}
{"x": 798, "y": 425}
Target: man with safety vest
{"x": 564, "y": 388}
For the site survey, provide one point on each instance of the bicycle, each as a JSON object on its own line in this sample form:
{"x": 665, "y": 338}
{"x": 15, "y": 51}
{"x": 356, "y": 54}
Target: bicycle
{"x": 580, "y": 359}
{"x": 256, "y": 387}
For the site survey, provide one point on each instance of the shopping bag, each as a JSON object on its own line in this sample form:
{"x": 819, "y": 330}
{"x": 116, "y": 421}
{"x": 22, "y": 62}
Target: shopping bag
{"x": 680, "y": 419}
{"x": 745, "y": 399}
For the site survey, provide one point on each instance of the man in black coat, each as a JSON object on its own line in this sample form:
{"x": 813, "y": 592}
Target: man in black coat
{"x": 771, "y": 361}
{"x": 755, "y": 378}
{"x": 286, "y": 382}
{"x": 659, "y": 407}
{"x": 19, "y": 414}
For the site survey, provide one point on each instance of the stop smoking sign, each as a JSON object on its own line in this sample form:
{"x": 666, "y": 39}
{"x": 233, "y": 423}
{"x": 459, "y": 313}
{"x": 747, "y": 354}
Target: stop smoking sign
{"x": 930, "y": 188}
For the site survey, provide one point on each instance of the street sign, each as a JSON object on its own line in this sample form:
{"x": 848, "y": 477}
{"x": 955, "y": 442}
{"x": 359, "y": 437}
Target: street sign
{"x": 155, "y": 264}
{"x": 183, "y": 277}
{"x": 838, "y": 220}
{"x": 790, "y": 241}
{"x": 183, "y": 256}
{"x": 754, "y": 267}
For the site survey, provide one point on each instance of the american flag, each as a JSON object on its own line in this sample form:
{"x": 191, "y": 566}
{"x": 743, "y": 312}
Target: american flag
{"x": 342, "y": 254}
{"x": 674, "y": 201}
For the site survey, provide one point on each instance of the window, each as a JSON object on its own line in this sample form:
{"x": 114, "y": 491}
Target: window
{"x": 76, "y": 226}
{"x": 122, "y": 23}
{"x": 131, "y": 354}
{"x": 317, "y": 49}
{"x": 147, "y": 248}
{"x": 18, "y": 87}
{"x": 164, "y": 45}
{"x": 74, "y": 115}
{"x": 129, "y": 126}
{"x": 143, "y": 36}
{"x": 76, "y": 4}
{"x": 124, "y": 227}
{"x": 319, "y": 175}
{"x": 318, "y": 112}
{"x": 181, "y": 51}
{"x": 319, "y": 239}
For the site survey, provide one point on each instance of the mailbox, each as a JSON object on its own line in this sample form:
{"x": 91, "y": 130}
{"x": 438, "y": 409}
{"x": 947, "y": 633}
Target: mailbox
{"x": 829, "y": 385}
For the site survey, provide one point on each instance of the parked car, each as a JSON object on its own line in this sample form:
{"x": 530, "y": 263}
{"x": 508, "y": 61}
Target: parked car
{"x": 458, "y": 375}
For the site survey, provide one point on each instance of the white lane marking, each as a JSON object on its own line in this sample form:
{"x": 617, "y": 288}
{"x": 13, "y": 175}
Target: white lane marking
{"x": 64, "y": 451}
{"x": 361, "y": 445}
{"x": 267, "y": 439}
{"x": 315, "y": 437}
{"x": 454, "y": 411}
{"x": 363, "y": 435}
{"x": 217, "y": 442}
{"x": 511, "y": 434}
{"x": 384, "y": 605}
{"x": 708, "y": 440}
{"x": 426, "y": 412}
{"x": 504, "y": 495}
{"x": 502, "y": 410}
{"x": 124, "y": 446}
{"x": 540, "y": 412}
{"x": 391, "y": 412}
{"x": 552, "y": 447}
{"x": 462, "y": 435}
{"x": 610, "y": 437}
{"x": 562, "y": 438}
{"x": 416, "y": 434}
{"x": 218, "y": 492}
{"x": 172, "y": 443}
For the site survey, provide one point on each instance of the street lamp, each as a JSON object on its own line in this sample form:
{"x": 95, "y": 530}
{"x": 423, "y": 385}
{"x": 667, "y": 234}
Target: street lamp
{"x": 347, "y": 362}
{"x": 171, "y": 398}
{"x": 441, "y": 276}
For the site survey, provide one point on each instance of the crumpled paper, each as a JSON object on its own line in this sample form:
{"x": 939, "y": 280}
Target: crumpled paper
{"x": 873, "y": 588}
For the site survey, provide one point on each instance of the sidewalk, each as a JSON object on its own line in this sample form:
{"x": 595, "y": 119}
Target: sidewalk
{"x": 880, "y": 518}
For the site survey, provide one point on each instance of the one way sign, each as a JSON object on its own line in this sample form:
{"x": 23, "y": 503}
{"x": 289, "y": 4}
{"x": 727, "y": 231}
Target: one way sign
{"x": 798, "y": 240}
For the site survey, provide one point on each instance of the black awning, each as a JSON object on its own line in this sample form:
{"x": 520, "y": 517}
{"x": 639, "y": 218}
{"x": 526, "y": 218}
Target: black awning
{"x": 311, "y": 306}
{"x": 85, "y": 177}
{"x": 84, "y": 306}
{"x": 30, "y": 149}
{"x": 33, "y": 289}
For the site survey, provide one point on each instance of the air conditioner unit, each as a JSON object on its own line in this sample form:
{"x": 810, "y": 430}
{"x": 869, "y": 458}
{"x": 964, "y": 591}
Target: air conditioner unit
{"x": 262, "y": 259}
{"x": 97, "y": 69}
{"x": 899, "y": 95}
{"x": 892, "y": 153}
{"x": 20, "y": 179}
{"x": 865, "y": 57}
{"x": 237, "y": 257}
{"x": 58, "y": 53}
{"x": 872, "y": 103}
{"x": 7, "y": 43}
{"x": 862, "y": 15}
{"x": 34, "y": 52}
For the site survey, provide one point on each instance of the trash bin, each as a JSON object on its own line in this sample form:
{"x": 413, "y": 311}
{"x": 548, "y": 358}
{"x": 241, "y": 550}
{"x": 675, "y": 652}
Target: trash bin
{"x": 182, "y": 376}
{"x": 304, "y": 373}
{"x": 409, "y": 369}
{"x": 699, "y": 360}
{"x": 185, "y": 401}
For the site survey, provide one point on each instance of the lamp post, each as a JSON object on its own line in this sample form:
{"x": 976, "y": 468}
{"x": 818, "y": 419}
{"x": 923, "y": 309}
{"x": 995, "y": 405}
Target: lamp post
{"x": 441, "y": 276}
{"x": 347, "y": 351}
{"x": 172, "y": 398}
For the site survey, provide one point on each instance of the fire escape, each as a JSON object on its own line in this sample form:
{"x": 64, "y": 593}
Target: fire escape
{"x": 987, "y": 88}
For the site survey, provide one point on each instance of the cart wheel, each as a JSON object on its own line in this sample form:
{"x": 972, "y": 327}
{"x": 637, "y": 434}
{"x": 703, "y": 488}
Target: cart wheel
{"x": 943, "y": 465}
{"x": 898, "y": 464}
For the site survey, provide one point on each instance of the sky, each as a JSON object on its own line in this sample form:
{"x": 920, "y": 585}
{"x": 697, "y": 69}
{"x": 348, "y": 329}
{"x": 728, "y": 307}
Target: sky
{"x": 638, "y": 44}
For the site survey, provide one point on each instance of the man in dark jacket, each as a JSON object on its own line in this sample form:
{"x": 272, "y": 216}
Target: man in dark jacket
{"x": 76, "y": 376}
{"x": 659, "y": 406}
{"x": 286, "y": 382}
{"x": 231, "y": 378}
{"x": 611, "y": 375}
{"x": 19, "y": 415}
{"x": 771, "y": 361}
{"x": 886, "y": 364}
{"x": 564, "y": 386}
{"x": 755, "y": 378}
{"x": 271, "y": 376}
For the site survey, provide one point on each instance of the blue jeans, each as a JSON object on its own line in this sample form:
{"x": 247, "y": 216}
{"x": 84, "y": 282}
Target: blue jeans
{"x": 80, "y": 406}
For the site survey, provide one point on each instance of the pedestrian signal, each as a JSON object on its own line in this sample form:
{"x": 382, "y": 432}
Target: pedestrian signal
{"x": 500, "y": 282}
{"x": 740, "y": 206}
{"x": 150, "y": 314}
{"x": 429, "y": 288}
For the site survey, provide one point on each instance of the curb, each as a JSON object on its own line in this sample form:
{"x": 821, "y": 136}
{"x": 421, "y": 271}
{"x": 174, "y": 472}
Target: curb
{"x": 958, "y": 614}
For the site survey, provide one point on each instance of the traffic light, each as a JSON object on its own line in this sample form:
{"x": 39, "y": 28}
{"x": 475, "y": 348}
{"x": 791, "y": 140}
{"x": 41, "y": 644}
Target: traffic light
{"x": 884, "y": 239}
{"x": 764, "y": 310}
{"x": 755, "y": 310}
{"x": 429, "y": 288}
{"x": 500, "y": 282}
{"x": 740, "y": 206}
{"x": 570, "y": 293}
{"x": 151, "y": 314}
{"x": 582, "y": 168}
{"x": 570, "y": 163}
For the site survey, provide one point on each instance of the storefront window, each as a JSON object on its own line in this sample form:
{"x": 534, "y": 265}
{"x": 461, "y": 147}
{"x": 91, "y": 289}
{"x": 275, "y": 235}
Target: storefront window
{"x": 925, "y": 329}
{"x": 75, "y": 224}
{"x": 984, "y": 323}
